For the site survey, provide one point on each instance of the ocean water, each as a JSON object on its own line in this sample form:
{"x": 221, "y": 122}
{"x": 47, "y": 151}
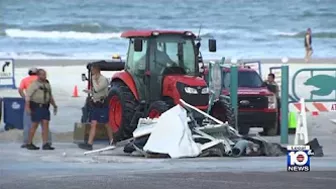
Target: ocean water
{"x": 91, "y": 28}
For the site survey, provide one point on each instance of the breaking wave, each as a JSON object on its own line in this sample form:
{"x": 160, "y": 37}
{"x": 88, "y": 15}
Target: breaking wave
{"x": 50, "y": 55}
{"x": 91, "y": 33}
{"x": 18, "y": 33}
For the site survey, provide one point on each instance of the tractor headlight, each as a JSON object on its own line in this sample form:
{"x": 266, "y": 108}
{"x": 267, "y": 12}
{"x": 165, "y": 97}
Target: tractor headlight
{"x": 188, "y": 33}
{"x": 272, "y": 102}
{"x": 205, "y": 90}
{"x": 190, "y": 90}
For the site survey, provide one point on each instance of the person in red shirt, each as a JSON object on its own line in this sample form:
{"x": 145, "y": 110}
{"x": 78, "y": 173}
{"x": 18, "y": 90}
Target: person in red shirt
{"x": 24, "y": 84}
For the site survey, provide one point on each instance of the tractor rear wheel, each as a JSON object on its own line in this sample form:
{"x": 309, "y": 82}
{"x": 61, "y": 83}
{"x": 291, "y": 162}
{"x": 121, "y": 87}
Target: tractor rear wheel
{"x": 122, "y": 105}
{"x": 157, "y": 108}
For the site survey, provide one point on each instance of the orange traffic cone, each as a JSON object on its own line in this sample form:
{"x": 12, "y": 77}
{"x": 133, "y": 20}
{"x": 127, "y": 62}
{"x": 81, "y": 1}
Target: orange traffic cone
{"x": 75, "y": 92}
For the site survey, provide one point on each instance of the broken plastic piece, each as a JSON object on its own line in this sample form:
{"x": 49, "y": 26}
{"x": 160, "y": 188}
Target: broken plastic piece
{"x": 239, "y": 148}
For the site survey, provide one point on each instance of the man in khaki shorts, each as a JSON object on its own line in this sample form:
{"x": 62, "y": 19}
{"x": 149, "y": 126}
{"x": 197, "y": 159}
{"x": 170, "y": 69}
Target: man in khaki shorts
{"x": 24, "y": 84}
{"x": 38, "y": 99}
{"x": 99, "y": 106}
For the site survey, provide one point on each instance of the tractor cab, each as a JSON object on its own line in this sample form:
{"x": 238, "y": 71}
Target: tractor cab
{"x": 161, "y": 68}
{"x": 156, "y": 60}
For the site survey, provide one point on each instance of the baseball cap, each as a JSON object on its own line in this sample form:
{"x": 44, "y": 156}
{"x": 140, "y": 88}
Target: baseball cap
{"x": 32, "y": 71}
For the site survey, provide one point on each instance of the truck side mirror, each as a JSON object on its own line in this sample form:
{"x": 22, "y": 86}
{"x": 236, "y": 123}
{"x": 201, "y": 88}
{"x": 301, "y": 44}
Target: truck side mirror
{"x": 212, "y": 45}
{"x": 84, "y": 78}
{"x": 137, "y": 45}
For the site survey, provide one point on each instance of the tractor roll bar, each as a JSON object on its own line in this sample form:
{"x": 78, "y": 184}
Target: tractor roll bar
{"x": 108, "y": 65}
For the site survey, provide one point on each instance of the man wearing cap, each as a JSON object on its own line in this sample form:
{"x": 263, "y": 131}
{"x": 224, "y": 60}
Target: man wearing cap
{"x": 99, "y": 105}
{"x": 24, "y": 84}
{"x": 39, "y": 97}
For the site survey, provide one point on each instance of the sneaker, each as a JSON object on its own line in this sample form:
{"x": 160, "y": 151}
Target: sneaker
{"x": 32, "y": 147}
{"x": 24, "y": 146}
{"x": 47, "y": 146}
{"x": 85, "y": 146}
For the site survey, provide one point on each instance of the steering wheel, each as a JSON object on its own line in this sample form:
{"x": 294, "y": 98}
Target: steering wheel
{"x": 173, "y": 64}
{"x": 171, "y": 68}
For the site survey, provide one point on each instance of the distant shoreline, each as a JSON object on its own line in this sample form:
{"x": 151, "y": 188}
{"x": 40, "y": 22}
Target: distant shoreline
{"x": 19, "y": 63}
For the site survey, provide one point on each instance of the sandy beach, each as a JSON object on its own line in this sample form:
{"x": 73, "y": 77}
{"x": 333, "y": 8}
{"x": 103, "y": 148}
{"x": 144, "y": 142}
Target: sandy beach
{"x": 72, "y": 62}
{"x": 65, "y": 74}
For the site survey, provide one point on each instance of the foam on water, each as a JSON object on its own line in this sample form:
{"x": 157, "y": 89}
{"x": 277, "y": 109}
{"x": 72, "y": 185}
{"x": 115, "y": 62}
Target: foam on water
{"x": 69, "y": 56}
{"x": 18, "y": 33}
{"x": 67, "y": 28}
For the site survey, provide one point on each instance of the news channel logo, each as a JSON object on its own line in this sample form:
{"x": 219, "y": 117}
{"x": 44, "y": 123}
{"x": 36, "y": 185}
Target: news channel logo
{"x": 298, "y": 158}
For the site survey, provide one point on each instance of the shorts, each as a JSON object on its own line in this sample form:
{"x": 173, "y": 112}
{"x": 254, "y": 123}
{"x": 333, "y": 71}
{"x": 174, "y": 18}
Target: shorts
{"x": 101, "y": 115}
{"x": 40, "y": 113}
{"x": 309, "y": 49}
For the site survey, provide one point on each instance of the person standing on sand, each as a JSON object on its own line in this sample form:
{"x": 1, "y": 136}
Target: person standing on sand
{"x": 308, "y": 44}
{"x": 38, "y": 99}
{"x": 99, "y": 104}
{"x": 24, "y": 84}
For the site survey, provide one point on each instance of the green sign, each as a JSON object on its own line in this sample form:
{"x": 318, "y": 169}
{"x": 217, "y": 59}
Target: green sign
{"x": 325, "y": 84}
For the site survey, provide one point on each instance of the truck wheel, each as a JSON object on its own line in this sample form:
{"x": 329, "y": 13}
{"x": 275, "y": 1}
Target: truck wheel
{"x": 273, "y": 131}
{"x": 244, "y": 130}
{"x": 122, "y": 105}
{"x": 157, "y": 108}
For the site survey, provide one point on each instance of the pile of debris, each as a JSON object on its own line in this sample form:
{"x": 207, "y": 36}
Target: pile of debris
{"x": 176, "y": 134}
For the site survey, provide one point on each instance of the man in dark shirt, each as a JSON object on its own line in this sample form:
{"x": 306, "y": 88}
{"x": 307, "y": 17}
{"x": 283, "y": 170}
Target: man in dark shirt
{"x": 273, "y": 87}
{"x": 308, "y": 45}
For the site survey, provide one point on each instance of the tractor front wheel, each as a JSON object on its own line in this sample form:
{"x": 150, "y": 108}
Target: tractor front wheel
{"x": 122, "y": 106}
{"x": 223, "y": 112}
{"x": 157, "y": 108}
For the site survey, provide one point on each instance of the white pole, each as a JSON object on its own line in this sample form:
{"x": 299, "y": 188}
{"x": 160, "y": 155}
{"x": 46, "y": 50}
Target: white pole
{"x": 304, "y": 121}
{"x": 301, "y": 132}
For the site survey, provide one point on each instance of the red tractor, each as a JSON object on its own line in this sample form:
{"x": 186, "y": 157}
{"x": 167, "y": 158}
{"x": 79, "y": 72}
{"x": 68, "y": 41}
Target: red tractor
{"x": 161, "y": 68}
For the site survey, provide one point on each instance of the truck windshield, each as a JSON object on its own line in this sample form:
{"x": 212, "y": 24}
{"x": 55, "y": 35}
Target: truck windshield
{"x": 176, "y": 51}
{"x": 245, "y": 79}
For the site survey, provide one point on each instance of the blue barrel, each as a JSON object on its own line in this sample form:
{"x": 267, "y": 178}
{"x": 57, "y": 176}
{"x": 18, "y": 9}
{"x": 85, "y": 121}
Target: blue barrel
{"x": 13, "y": 113}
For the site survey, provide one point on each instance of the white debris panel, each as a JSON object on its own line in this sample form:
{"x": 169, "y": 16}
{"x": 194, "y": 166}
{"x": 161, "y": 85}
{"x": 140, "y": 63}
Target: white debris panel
{"x": 171, "y": 135}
